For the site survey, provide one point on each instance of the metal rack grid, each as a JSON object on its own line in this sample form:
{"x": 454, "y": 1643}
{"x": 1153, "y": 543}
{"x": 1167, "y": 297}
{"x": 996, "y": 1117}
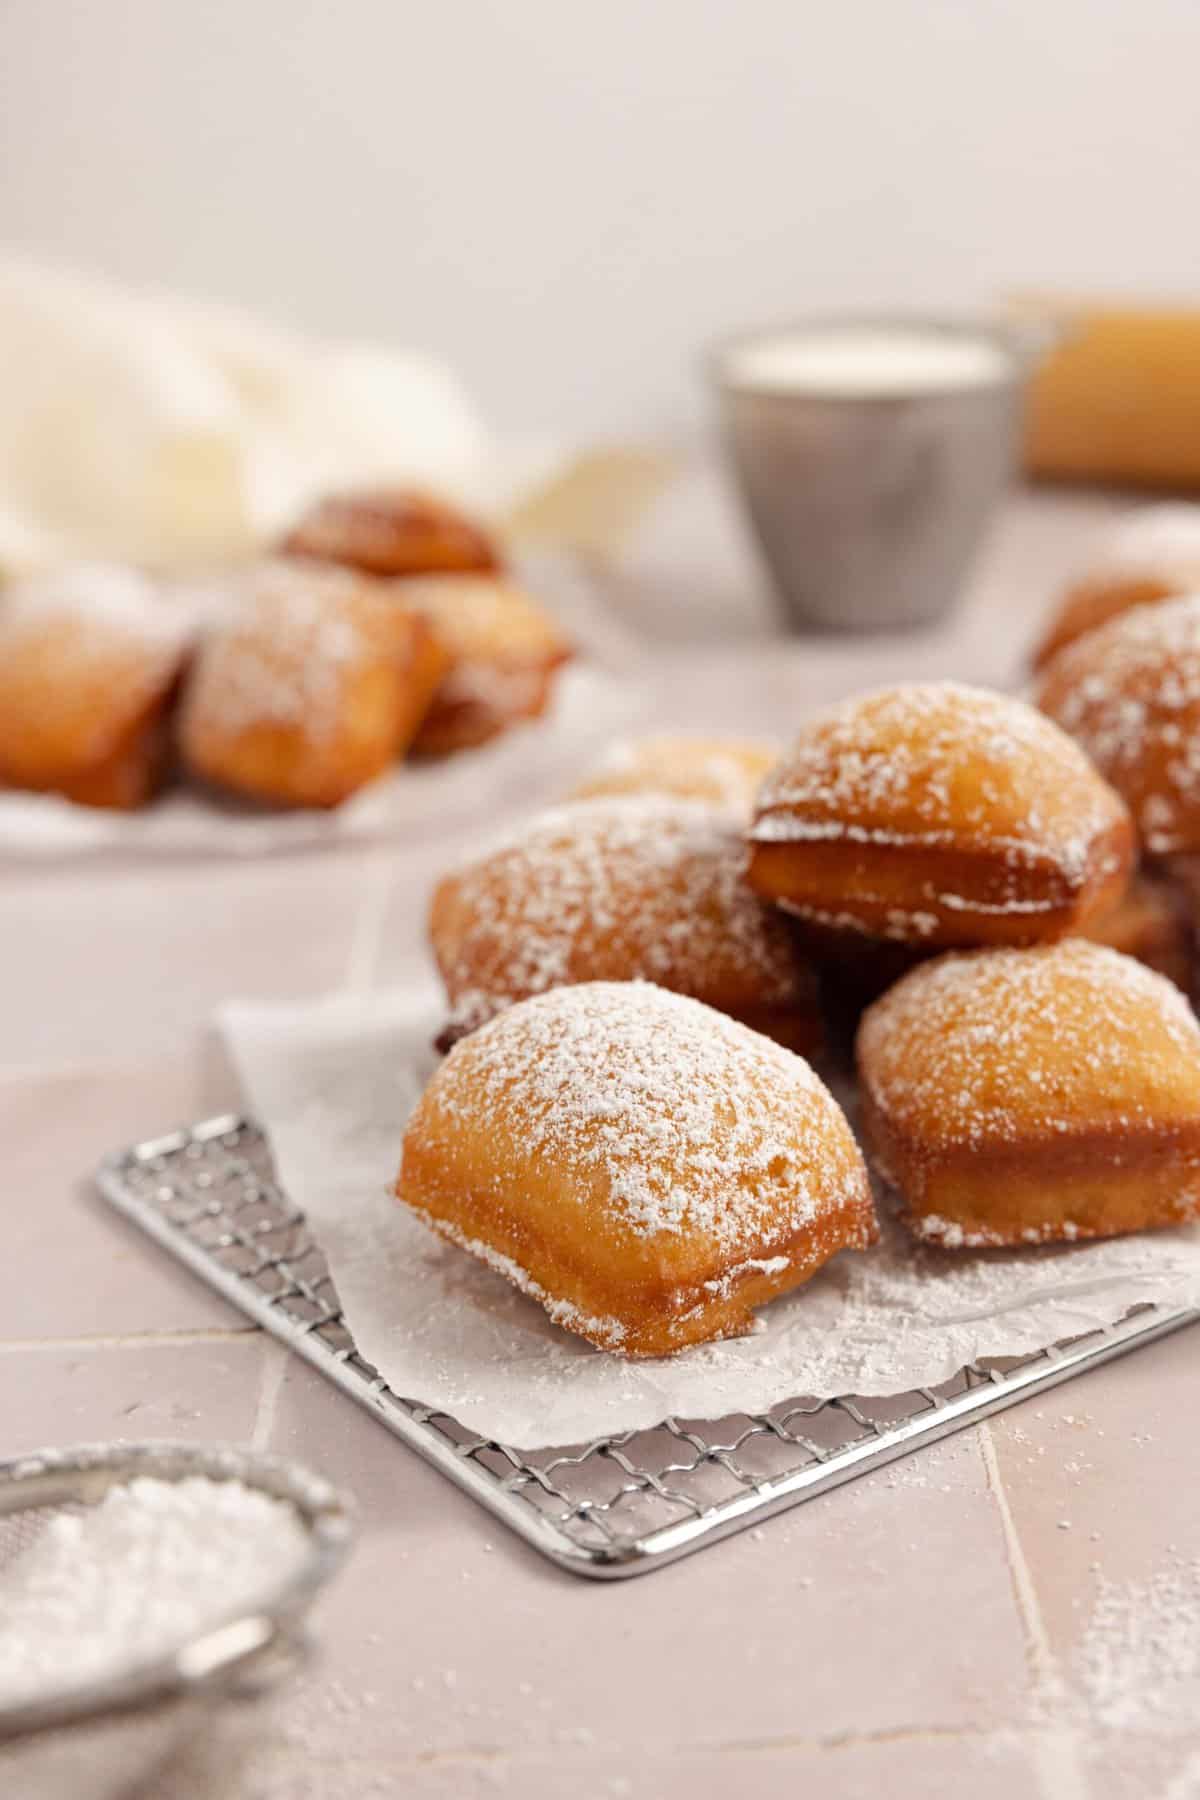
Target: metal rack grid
{"x": 616, "y": 1506}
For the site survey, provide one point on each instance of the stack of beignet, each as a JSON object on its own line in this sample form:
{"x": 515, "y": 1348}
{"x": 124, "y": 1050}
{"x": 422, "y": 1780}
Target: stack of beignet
{"x": 1023, "y": 1080}
{"x": 385, "y": 630}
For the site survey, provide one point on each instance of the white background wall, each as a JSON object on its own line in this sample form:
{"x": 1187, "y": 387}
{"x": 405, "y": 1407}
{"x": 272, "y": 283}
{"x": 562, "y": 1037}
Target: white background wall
{"x": 569, "y": 197}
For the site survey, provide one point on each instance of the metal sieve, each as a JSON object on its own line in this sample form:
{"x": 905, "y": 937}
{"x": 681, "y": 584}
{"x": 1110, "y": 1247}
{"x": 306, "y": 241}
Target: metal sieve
{"x": 108, "y": 1729}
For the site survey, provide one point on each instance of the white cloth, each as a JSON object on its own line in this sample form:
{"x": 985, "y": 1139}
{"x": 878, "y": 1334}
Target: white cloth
{"x": 137, "y": 425}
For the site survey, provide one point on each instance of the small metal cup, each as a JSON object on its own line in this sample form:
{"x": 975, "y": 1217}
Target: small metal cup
{"x": 869, "y": 508}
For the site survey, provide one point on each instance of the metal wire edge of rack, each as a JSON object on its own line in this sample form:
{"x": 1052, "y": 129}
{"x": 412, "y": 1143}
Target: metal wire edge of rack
{"x": 175, "y": 1189}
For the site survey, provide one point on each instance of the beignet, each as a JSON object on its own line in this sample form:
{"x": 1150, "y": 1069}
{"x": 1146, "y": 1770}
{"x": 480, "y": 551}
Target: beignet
{"x": 634, "y": 887}
{"x": 502, "y": 653}
{"x": 309, "y": 687}
{"x": 646, "y": 1168}
{"x": 939, "y": 815}
{"x": 1020, "y": 1096}
{"x": 391, "y": 531}
{"x": 1130, "y": 694}
{"x": 90, "y": 660}
{"x": 1152, "y": 922}
{"x": 726, "y": 772}
{"x": 1150, "y": 556}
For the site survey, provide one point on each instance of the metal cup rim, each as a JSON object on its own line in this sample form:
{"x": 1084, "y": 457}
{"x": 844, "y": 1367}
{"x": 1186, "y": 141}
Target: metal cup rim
{"x": 1024, "y": 339}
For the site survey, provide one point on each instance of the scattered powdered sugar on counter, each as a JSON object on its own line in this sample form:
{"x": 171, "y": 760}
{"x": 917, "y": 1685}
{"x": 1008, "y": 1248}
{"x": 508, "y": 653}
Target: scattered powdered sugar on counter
{"x": 1137, "y": 1667}
{"x": 136, "y": 1576}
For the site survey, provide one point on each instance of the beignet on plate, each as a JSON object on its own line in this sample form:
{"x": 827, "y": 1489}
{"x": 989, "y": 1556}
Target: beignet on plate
{"x": 1022, "y": 1096}
{"x": 637, "y": 887}
{"x": 646, "y": 1168}
{"x": 309, "y": 686}
{"x": 391, "y": 531}
{"x": 502, "y": 653}
{"x": 937, "y": 814}
{"x": 90, "y": 661}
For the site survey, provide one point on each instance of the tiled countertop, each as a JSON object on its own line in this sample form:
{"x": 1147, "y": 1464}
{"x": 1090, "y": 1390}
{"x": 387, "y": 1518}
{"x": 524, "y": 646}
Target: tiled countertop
{"x": 1009, "y": 1612}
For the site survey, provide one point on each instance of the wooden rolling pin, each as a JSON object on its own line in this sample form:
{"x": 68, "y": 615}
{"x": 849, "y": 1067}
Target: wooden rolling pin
{"x": 1118, "y": 398}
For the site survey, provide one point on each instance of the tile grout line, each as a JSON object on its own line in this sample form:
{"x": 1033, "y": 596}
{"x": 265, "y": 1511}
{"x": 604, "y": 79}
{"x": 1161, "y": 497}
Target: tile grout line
{"x": 276, "y": 1357}
{"x": 1056, "y": 1746}
{"x": 367, "y": 938}
{"x": 135, "y": 1340}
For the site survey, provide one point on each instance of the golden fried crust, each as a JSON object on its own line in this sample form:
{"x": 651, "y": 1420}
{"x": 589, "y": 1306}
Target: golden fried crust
{"x": 726, "y": 772}
{"x": 627, "y": 888}
{"x": 1151, "y": 553}
{"x": 502, "y": 652}
{"x": 90, "y": 661}
{"x": 391, "y": 531}
{"x": 1090, "y": 604}
{"x": 312, "y": 685}
{"x": 647, "y": 1169}
{"x": 1018, "y": 1097}
{"x": 1152, "y": 922}
{"x": 1129, "y": 693}
{"x": 939, "y": 815}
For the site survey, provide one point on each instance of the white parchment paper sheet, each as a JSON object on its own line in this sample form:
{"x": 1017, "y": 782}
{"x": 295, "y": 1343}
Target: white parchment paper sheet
{"x": 333, "y": 1082}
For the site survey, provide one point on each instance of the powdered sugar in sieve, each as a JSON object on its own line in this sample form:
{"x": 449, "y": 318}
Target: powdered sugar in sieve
{"x": 136, "y": 1572}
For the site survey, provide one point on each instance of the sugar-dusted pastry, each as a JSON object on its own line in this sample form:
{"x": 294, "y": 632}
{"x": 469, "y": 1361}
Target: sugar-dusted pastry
{"x": 502, "y": 652}
{"x": 391, "y": 531}
{"x": 646, "y": 1168}
{"x": 1151, "y": 555}
{"x": 726, "y": 772}
{"x": 634, "y": 887}
{"x": 1153, "y": 921}
{"x": 1129, "y": 692}
{"x": 1020, "y": 1096}
{"x": 90, "y": 659}
{"x": 309, "y": 686}
{"x": 940, "y": 815}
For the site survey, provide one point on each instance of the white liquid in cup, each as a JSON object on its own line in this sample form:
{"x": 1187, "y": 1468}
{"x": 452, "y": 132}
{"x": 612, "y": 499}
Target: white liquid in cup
{"x": 867, "y": 361}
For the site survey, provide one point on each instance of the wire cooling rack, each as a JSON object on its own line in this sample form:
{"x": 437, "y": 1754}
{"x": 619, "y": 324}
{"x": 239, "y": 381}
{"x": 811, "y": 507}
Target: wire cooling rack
{"x": 616, "y": 1506}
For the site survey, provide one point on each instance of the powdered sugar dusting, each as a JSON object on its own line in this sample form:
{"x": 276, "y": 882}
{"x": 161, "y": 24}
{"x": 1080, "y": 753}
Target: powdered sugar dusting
{"x": 1138, "y": 1665}
{"x": 485, "y": 616}
{"x": 996, "y": 1044}
{"x": 695, "y": 1124}
{"x": 613, "y": 888}
{"x": 726, "y": 772}
{"x": 136, "y": 1576}
{"x": 597, "y": 1330}
{"x": 290, "y": 633}
{"x": 1129, "y": 692}
{"x": 97, "y": 607}
{"x": 941, "y": 764}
